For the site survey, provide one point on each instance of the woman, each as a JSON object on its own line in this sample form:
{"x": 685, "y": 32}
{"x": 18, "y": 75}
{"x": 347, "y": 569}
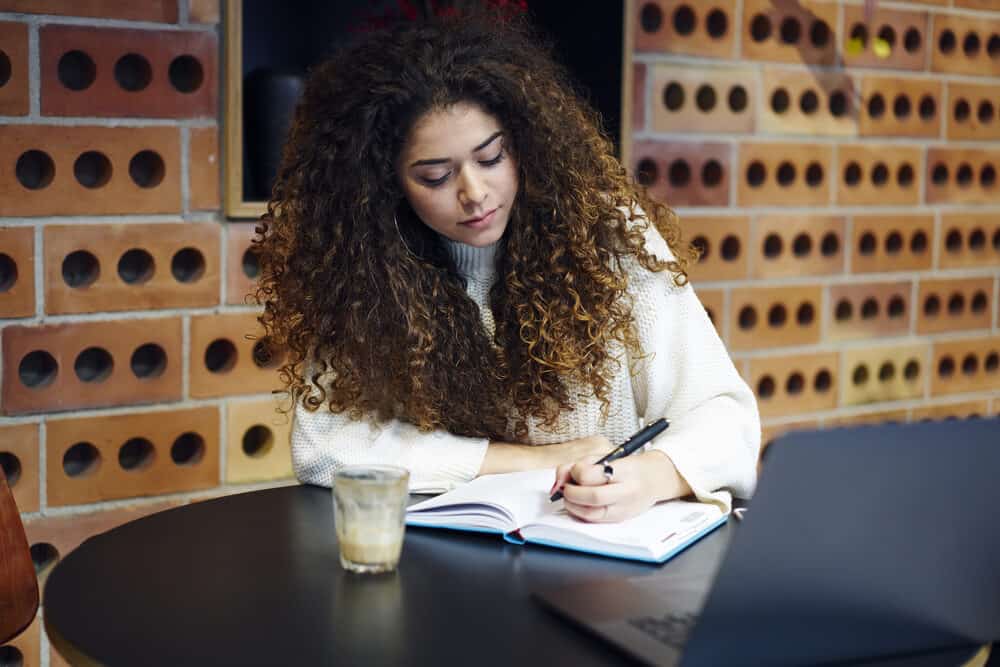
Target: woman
{"x": 462, "y": 271}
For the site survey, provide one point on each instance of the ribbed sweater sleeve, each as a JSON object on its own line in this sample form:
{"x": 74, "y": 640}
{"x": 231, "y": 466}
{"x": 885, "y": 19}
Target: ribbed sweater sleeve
{"x": 323, "y": 441}
{"x": 688, "y": 377}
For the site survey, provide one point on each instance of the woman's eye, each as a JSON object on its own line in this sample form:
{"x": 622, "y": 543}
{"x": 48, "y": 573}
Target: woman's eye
{"x": 492, "y": 161}
{"x": 435, "y": 181}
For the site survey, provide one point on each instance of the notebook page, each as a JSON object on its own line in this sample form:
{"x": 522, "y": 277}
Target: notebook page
{"x": 657, "y": 531}
{"x": 505, "y": 501}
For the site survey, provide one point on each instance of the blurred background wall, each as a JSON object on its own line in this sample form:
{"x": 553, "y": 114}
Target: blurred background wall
{"x": 838, "y": 171}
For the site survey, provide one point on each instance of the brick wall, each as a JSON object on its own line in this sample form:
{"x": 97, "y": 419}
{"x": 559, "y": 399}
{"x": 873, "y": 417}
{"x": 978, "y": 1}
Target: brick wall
{"x": 131, "y": 381}
{"x": 841, "y": 177}
{"x": 846, "y": 201}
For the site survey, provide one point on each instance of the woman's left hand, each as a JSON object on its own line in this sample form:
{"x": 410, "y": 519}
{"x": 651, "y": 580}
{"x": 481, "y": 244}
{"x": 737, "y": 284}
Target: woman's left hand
{"x": 636, "y": 483}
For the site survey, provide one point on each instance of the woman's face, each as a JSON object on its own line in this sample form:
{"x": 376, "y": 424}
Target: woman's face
{"x": 457, "y": 175}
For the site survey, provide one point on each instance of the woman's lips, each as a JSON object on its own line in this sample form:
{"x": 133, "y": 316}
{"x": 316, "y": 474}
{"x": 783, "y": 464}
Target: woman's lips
{"x": 480, "y": 222}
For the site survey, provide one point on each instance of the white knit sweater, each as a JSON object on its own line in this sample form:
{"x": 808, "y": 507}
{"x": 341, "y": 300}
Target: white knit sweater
{"x": 688, "y": 377}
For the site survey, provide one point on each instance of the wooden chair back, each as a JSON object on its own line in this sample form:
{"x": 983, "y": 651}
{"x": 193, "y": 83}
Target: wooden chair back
{"x": 18, "y": 584}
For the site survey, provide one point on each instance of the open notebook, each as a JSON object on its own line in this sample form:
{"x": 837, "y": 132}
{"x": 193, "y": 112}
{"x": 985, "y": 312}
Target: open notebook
{"x": 516, "y": 505}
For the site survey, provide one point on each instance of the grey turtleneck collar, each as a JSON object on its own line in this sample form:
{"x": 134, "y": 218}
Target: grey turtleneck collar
{"x": 471, "y": 261}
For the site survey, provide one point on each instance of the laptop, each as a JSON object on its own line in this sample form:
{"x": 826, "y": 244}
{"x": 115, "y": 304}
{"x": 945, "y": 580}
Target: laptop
{"x": 863, "y": 543}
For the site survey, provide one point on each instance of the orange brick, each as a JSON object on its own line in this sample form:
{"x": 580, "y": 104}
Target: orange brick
{"x": 966, "y": 366}
{"x": 878, "y": 175}
{"x": 242, "y": 266}
{"x": 230, "y": 356}
{"x": 968, "y": 240}
{"x": 17, "y": 272}
{"x": 862, "y": 418}
{"x": 702, "y": 99}
{"x": 904, "y": 31}
{"x": 774, "y": 316}
{"x": 117, "y": 72}
{"x": 66, "y": 533}
{"x": 13, "y": 69}
{"x": 80, "y": 170}
{"x": 638, "y": 97}
{"x": 794, "y": 384}
{"x": 91, "y": 364}
{"x": 203, "y": 11}
{"x": 989, "y": 5}
{"x": 864, "y": 310}
{"x": 681, "y": 26}
{"x": 809, "y": 103}
{"x": 90, "y": 459}
{"x": 712, "y": 300}
{"x": 892, "y": 243}
{"x": 955, "y": 305}
{"x": 784, "y": 174}
{"x": 949, "y": 411}
{"x": 723, "y": 241}
{"x": 901, "y": 107}
{"x": 163, "y": 11}
{"x": 92, "y": 268}
{"x": 965, "y": 45}
{"x": 800, "y": 32}
{"x": 798, "y": 245}
{"x": 962, "y": 176}
{"x": 683, "y": 173}
{"x": 204, "y": 168}
{"x": 974, "y": 113}
{"x": 19, "y": 460}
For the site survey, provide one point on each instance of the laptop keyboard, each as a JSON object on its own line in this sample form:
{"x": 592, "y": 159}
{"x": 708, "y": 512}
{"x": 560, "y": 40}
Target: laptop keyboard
{"x": 672, "y": 628}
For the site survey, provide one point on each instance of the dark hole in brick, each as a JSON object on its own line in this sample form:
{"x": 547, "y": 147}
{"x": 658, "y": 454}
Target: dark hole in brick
{"x": 81, "y": 459}
{"x": 37, "y": 369}
{"x": 188, "y": 449}
{"x": 187, "y": 265}
{"x": 651, "y": 17}
{"x": 133, "y": 72}
{"x": 146, "y": 169}
{"x": 148, "y": 361}
{"x": 135, "y": 454}
{"x": 94, "y": 364}
{"x": 92, "y": 169}
{"x": 76, "y": 70}
{"x": 684, "y": 20}
{"x": 186, "y": 73}
{"x": 760, "y": 28}
{"x": 947, "y": 41}
{"x": 35, "y": 170}
{"x": 136, "y": 266}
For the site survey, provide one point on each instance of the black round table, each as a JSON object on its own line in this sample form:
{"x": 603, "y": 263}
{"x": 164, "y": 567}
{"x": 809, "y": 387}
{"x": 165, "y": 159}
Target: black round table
{"x": 254, "y": 579}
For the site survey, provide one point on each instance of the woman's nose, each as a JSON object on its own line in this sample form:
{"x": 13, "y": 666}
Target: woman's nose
{"x": 472, "y": 190}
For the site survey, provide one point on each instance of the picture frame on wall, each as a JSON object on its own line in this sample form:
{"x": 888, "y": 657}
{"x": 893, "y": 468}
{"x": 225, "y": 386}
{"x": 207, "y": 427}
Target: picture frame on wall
{"x": 269, "y": 47}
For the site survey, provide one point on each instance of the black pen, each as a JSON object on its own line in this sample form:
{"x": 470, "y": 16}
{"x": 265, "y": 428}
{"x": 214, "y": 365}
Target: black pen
{"x": 646, "y": 434}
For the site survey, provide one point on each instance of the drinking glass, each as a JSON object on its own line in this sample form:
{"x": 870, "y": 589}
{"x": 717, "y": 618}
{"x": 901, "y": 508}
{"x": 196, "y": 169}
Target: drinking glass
{"x": 369, "y": 508}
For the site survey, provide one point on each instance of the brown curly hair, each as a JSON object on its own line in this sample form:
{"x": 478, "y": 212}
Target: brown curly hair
{"x": 379, "y": 318}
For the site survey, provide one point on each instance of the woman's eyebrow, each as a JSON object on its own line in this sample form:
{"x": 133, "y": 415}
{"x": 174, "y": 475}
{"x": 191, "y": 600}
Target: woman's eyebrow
{"x": 442, "y": 160}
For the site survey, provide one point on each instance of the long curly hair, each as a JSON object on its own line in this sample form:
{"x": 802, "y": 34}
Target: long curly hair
{"x": 371, "y": 311}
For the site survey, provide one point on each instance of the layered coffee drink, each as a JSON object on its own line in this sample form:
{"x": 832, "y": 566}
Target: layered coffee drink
{"x": 369, "y": 504}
